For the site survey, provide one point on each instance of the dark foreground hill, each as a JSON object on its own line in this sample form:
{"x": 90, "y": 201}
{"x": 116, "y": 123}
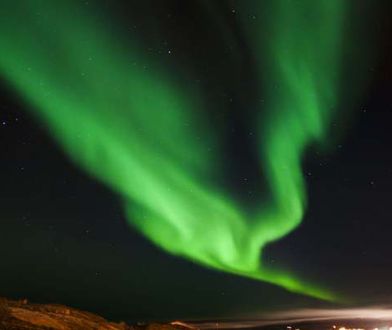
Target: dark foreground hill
{"x": 22, "y": 315}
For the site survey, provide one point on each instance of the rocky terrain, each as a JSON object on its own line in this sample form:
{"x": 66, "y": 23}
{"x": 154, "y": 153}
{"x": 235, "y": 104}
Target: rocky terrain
{"x": 22, "y": 315}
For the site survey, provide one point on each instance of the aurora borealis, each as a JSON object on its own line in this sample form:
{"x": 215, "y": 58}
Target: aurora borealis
{"x": 230, "y": 141}
{"x": 141, "y": 132}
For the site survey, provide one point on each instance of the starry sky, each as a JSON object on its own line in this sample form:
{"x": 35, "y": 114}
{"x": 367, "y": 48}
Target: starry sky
{"x": 64, "y": 236}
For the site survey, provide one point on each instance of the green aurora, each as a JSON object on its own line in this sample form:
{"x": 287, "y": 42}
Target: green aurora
{"x": 126, "y": 121}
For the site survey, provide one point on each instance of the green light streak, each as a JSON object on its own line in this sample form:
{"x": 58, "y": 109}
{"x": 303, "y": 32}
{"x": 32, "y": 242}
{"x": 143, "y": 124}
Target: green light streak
{"x": 130, "y": 125}
{"x": 301, "y": 71}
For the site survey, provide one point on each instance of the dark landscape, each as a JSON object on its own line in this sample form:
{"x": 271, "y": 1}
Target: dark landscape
{"x": 24, "y": 315}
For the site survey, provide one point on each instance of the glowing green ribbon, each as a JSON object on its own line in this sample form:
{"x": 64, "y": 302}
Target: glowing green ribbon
{"x": 130, "y": 125}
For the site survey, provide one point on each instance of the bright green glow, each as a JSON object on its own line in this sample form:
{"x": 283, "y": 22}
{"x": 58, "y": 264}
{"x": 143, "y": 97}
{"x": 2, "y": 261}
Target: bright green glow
{"x": 133, "y": 127}
{"x": 301, "y": 69}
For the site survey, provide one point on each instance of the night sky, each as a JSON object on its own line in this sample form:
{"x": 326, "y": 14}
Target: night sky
{"x": 64, "y": 234}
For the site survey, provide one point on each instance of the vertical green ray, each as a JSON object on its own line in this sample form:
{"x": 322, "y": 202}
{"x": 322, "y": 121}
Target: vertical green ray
{"x": 297, "y": 46}
{"x": 300, "y": 62}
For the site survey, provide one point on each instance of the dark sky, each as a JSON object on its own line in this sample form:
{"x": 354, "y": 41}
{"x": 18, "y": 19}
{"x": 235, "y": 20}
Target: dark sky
{"x": 64, "y": 237}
